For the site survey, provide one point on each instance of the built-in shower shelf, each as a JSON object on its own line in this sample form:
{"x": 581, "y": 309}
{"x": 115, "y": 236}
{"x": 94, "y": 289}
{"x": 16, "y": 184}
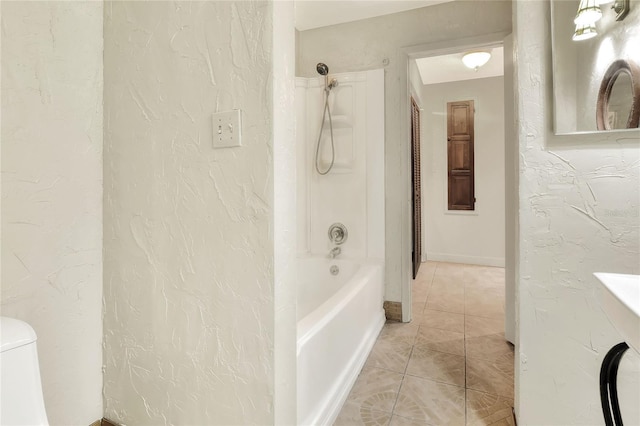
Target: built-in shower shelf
{"x": 340, "y": 121}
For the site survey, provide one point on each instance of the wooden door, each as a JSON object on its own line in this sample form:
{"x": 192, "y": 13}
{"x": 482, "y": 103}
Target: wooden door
{"x": 461, "y": 192}
{"x": 416, "y": 188}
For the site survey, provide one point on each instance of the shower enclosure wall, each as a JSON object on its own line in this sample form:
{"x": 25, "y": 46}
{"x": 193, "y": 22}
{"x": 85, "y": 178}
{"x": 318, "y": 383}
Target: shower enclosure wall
{"x": 353, "y": 191}
{"x": 339, "y": 314}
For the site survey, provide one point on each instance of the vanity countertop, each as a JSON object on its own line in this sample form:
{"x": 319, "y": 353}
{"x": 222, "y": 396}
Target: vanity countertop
{"x": 621, "y": 303}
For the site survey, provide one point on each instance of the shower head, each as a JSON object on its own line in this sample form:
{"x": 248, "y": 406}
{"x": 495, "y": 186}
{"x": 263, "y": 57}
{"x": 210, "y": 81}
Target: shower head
{"x": 322, "y": 69}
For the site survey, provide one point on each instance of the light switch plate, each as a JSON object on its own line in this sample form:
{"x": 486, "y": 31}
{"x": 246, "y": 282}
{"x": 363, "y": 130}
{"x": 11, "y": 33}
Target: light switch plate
{"x": 227, "y": 129}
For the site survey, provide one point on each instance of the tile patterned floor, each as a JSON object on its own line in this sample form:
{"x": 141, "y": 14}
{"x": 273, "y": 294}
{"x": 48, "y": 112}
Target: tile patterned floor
{"x": 450, "y": 365}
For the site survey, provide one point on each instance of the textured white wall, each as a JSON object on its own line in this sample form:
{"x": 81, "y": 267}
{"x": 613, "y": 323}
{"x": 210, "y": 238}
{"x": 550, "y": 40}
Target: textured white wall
{"x": 579, "y": 213}
{"x": 189, "y": 239}
{"x": 52, "y": 195}
{"x": 364, "y": 45}
{"x": 467, "y": 237}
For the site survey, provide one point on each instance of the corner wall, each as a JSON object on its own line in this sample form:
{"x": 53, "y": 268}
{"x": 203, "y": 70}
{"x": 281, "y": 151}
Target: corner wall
{"x": 579, "y": 214}
{"x": 190, "y": 292}
{"x": 364, "y": 45}
{"x": 52, "y": 195}
{"x": 476, "y": 237}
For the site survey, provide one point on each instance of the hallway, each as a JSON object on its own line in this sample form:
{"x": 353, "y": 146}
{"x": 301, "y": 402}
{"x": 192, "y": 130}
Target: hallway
{"x": 450, "y": 365}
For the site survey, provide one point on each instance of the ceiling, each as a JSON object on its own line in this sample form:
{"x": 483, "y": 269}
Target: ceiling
{"x": 433, "y": 70}
{"x": 447, "y": 68}
{"x": 321, "y": 13}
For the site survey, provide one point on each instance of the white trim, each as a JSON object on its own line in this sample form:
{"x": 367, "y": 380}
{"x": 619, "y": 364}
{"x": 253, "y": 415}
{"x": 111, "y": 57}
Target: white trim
{"x": 470, "y": 260}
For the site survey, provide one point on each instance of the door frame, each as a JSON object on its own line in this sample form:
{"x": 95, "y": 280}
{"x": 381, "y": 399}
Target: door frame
{"x": 405, "y": 55}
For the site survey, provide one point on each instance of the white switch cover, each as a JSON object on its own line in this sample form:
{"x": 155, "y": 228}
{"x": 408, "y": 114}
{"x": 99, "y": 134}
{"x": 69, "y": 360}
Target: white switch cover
{"x": 227, "y": 129}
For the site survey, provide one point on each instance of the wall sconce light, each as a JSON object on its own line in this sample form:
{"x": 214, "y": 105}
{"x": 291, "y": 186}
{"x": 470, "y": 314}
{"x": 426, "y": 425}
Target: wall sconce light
{"x": 475, "y": 60}
{"x": 621, "y": 7}
{"x": 588, "y": 13}
{"x": 584, "y": 32}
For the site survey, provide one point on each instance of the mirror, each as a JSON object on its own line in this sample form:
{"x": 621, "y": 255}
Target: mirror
{"x": 620, "y": 102}
{"x": 619, "y": 97}
{"x": 585, "y": 71}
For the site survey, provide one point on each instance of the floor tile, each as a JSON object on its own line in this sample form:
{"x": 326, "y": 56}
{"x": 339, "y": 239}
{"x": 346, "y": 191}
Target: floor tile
{"x": 431, "y": 402}
{"x": 486, "y": 277}
{"x": 391, "y": 356}
{"x": 491, "y": 376}
{"x": 353, "y": 414}
{"x": 487, "y": 347}
{"x": 443, "y": 320}
{"x": 376, "y": 389}
{"x": 440, "y": 340}
{"x": 399, "y": 332}
{"x": 419, "y": 295}
{"x": 482, "y": 326}
{"x": 437, "y": 366}
{"x": 417, "y": 308}
{"x": 488, "y": 409}
{"x": 426, "y": 271}
{"x": 450, "y": 275}
{"x": 447, "y": 286}
{"x": 418, "y": 287}
{"x": 403, "y": 421}
{"x": 484, "y": 303}
{"x": 446, "y": 302}
{"x": 449, "y": 364}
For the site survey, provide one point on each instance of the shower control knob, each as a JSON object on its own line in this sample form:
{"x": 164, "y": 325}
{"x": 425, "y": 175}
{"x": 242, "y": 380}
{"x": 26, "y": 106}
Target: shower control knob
{"x": 338, "y": 233}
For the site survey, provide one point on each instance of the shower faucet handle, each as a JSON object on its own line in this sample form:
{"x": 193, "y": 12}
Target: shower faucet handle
{"x": 338, "y": 233}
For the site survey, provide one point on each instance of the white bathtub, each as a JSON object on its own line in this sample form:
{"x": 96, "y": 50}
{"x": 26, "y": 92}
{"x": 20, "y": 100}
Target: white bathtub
{"x": 339, "y": 318}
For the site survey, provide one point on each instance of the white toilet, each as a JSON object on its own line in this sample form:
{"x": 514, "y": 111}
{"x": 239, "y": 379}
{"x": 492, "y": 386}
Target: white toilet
{"x": 21, "y": 401}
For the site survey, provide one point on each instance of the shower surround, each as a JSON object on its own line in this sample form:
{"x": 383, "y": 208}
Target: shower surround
{"x": 340, "y": 293}
{"x": 352, "y": 193}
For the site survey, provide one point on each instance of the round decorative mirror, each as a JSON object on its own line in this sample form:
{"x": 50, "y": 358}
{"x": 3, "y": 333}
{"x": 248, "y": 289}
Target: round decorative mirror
{"x": 618, "y": 104}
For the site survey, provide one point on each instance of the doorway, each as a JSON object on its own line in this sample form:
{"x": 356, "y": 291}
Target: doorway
{"x": 493, "y": 197}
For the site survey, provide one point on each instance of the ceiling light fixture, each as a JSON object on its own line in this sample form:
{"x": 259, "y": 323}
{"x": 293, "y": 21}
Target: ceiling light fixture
{"x": 476, "y": 59}
{"x": 584, "y": 32}
{"x": 588, "y": 13}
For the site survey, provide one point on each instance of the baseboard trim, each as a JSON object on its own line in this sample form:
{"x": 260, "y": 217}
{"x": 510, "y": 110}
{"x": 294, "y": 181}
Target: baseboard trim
{"x": 471, "y": 260}
{"x": 393, "y": 311}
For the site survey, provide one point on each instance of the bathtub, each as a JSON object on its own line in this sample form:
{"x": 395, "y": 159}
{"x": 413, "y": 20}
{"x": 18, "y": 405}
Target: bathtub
{"x": 339, "y": 318}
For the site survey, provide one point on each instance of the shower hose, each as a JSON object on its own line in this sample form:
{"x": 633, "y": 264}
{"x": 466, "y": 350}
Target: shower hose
{"x": 326, "y": 111}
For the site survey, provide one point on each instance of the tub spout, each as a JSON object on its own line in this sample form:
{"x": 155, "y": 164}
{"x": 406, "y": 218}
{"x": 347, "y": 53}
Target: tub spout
{"x": 334, "y": 252}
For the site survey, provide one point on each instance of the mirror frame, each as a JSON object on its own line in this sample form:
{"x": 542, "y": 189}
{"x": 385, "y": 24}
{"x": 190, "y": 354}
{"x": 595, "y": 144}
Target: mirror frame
{"x": 610, "y": 76}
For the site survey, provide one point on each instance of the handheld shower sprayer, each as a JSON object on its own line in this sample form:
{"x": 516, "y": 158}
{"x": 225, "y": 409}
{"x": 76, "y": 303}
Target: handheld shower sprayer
{"x": 323, "y": 70}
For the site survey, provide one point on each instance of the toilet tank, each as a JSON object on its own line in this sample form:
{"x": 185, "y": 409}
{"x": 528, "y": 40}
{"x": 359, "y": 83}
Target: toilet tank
{"x": 21, "y": 401}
